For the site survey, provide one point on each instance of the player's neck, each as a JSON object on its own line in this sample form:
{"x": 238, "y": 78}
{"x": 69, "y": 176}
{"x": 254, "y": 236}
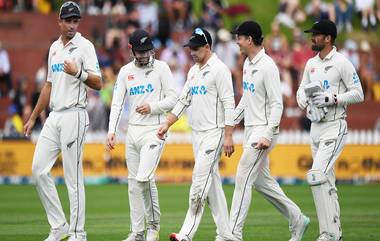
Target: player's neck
{"x": 252, "y": 52}
{"x": 205, "y": 59}
{"x": 65, "y": 40}
{"x": 325, "y": 51}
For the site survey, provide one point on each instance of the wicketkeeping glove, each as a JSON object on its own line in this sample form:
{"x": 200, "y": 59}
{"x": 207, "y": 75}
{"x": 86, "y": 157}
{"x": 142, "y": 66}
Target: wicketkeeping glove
{"x": 315, "y": 114}
{"x": 323, "y": 99}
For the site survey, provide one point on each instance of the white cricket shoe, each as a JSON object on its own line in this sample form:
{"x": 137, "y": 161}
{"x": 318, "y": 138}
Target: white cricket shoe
{"x": 78, "y": 238}
{"x": 299, "y": 228}
{"x": 152, "y": 234}
{"x": 178, "y": 237}
{"x": 327, "y": 237}
{"x": 135, "y": 237}
{"x": 59, "y": 233}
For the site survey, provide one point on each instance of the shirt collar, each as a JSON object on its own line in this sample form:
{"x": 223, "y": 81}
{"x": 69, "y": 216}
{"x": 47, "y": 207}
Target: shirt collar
{"x": 211, "y": 61}
{"x": 258, "y": 56}
{"x": 329, "y": 55}
{"x": 74, "y": 40}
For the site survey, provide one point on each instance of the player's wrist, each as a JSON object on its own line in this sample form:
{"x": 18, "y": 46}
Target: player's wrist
{"x": 81, "y": 75}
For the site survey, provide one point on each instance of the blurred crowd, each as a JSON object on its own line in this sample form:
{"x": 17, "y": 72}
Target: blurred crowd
{"x": 171, "y": 23}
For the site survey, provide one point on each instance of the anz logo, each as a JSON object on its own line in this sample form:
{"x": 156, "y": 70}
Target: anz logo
{"x": 141, "y": 89}
{"x": 57, "y": 68}
{"x": 326, "y": 84}
{"x": 248, "y": 86}
{"x": 198, "y": 90}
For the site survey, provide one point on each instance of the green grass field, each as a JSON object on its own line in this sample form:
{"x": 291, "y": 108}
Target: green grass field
{"x": 22, "y": 217}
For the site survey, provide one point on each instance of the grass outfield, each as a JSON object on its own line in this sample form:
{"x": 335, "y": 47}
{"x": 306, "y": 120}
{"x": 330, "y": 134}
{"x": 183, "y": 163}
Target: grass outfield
{"x": 22, "y": 217}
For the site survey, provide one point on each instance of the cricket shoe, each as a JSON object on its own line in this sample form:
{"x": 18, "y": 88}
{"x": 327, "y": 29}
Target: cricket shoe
{"x": 59, "y": 233}
{"x": 178, "y": 237}
{"x": 77, "y": 238}
{"x": 299, "y": 228}
{"x": 327, "y": 237}
{"x": 152, "y": 234}
{"x": 135, "y": 237}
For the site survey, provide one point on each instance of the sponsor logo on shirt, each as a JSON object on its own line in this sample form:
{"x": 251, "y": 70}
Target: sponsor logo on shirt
{"x": 253, "y": 72}
{"x": 141, "y": 89}
{"x": 355, "y": 78}
{"x": 205, "y": 73}
{"x": 97, "y": 67}
{"x": 198, "y": 90}
{"x": 248, "y": 86}
{"x": 57, "y": 67}
{"x": 326, "y": 84}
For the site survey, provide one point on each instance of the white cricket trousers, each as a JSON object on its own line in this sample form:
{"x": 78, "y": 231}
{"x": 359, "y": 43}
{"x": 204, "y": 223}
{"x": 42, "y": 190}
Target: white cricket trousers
{"x": 253, "y": 171}
{"x": 63, "y": 132}
{"x": 143, "y": 152}
{"x": 328, "y": 139}
{"x": 206, "y": 185}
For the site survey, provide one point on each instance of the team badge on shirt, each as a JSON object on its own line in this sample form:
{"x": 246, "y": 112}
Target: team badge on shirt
{"x": 147, "y": 73}
{"x": 327, "y": 68}
{"x": 131, "y": 77}
{"x": 205, "y": 73}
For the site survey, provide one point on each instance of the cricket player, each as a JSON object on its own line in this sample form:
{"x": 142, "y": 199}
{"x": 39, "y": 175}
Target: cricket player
{"x": 261, "y": 106}
{"x": 209, "y": 91}
{"x": 72, "y": 67}
{"x": 339, "y": 86}
{"x": 147, "y": 85}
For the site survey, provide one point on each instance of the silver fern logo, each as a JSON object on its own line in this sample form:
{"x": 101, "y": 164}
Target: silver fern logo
{"x": 142, "y": 40}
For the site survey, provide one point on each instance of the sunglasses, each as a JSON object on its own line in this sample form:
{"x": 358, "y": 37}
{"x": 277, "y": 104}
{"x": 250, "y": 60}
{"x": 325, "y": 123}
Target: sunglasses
{"x": 199, "y": 31}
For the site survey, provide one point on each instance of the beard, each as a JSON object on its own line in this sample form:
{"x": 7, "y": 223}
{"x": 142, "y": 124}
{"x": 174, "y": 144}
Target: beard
{"x": 317, "y": 47}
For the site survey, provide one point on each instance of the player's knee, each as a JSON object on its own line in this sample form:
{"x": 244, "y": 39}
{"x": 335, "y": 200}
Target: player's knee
{"x": 316, "y": 177}
{"x": 196, "y": 203}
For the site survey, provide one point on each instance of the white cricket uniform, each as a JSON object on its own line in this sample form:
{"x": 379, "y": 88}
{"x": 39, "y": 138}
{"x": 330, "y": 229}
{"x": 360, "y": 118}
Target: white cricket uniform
{"x": 336, "y": 74}
{"x": 136, "y": 86}
{"x": 209, "y": 92}
{"x": 64, "y": 131}
{"x": 261, "y": 107}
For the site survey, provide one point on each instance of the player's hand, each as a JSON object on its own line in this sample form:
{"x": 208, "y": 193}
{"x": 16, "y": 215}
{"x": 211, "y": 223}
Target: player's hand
{"x": 69, "y": 67}
{"x": 263, "y": 143}
{"x": 143, "y": 109}
{"x": 323, "y": 99}
{"x": 111, "y": 141}
{"x": 161, "y": 133}
{"x": 29, "y": 126}
{"x": 228, "y": 146}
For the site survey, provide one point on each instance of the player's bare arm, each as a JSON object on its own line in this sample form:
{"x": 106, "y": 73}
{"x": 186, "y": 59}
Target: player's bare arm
{"x": 91, "y": 80}
{"x": 228, "y": 141}
{"x": 42, "y": 103}
{"x": 170, "y": 120}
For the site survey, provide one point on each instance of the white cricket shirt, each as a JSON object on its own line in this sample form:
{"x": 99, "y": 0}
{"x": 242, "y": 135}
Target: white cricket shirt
{"x": 68, "y": 91}
{"x": 336, "y": 74}
{"x": 209, "y": 91}
{"x": 137, "y": 86}
{"x": 261, "y": 103}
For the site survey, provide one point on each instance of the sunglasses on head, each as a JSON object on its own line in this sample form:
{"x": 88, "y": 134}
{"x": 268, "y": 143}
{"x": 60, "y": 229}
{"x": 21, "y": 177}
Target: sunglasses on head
{"x": 199, "y": 31}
